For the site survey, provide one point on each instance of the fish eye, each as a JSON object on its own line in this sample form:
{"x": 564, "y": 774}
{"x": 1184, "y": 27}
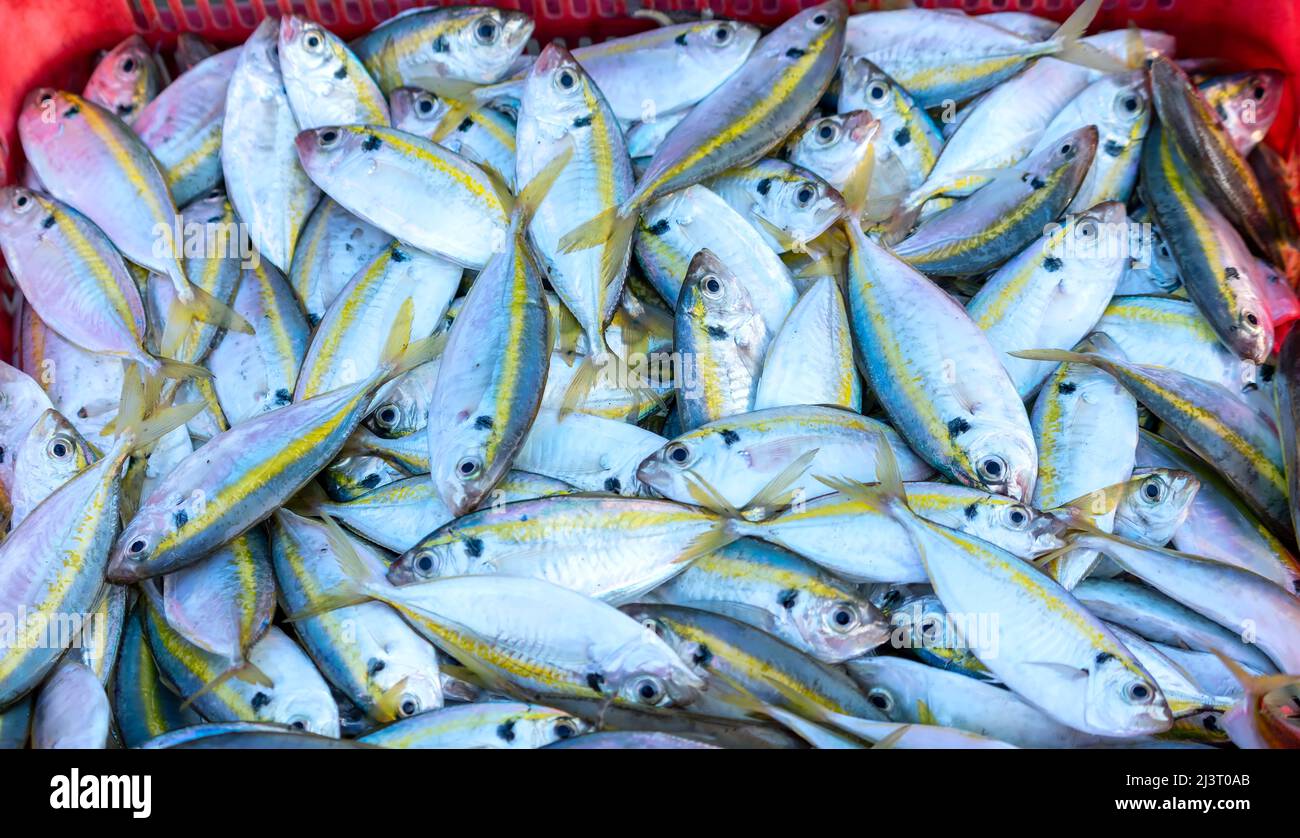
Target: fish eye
{"x": 1138, "y": 692}
{"x": 827, "y": 132}
{"x": 327, "y": 138}
{"x": 424, "y": 103}
{"x": 678, "y": 453}
{"x": 23, "y": 201}
{"x": 59, "y": 448}
{"x": 565, "y": 729}
{"x": 1067, "y": 149}
{"x": 486, "y": 31}
{"x": 843, "y": 618}
{"x": 314, "y": 40}
{"x": 992, "y": 469}
{"x": 423, "y": 563}
{"x": 1153, "y": 490}
{"x": 1259, "y": 91}
{"x": 820, "y": 19}
{"x": 137, "y": 548}
{"x": 1087, "y": 229}
{"x": 299, "y": 722}
{"x": 565, "y": 80}
{"x": 386, "y": 417}
{"x": 877, "y": 91}
{"x": 468, "y": 467}
{"x": 648, "y": 690}
{"x": 1211, "y": 722}
{"x": 1018, "y": 516}
{"x": 722, "y": 35}
{"x": 805, "y": 195}
{"x": 409, "y": 707}
{"x": 128, "y": 65}
{"x": 1252, "y": 319}
{"x": 711, "y": 286}
{"x": 1130, "y": 103}
{"x": 881, "y": 700}
{"x": 46, "y": 98}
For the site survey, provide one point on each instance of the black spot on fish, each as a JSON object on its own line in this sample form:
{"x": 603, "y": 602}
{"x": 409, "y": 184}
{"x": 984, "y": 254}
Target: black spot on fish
{"x": 123, "y": 110}
{"x": 465, "y": 124}
{"x": 48, "y": 222}
{"x": 582, "y": 121}
{"x": 794, "y": 52}
{"x": 180, "y": 519}
{"x": 1051, "y": 264}
{"x": 717, "y": 332}
{"x": 214, "y": 219}
{"x": 506, "y": 730}
{"x": 483, "y": 423}
{"x": 372, "y": 143}
{"x": 260, "y": 700}
{"x": 400, "y": 255}
{"x": 283, "y": 396}
{"x": 374, "y": 667}
{"x": 1222, "y": 111}
{"x": 972, "y": 511}
{"x": 341, "y": 73}
{"x": 902, "y": 136}
{"x": 957, "y": 427}
{"x": 681, "y": 39}
{"x": 81, "y": 414}
{"x": 71, "y": 112}
{"x": 595, "y": 680}
{"x": 370, "y": 481}
{"x": 1037, "y": 183}
{"x": 2, "y": 454}
{"x": 1231, "y": 273}
{"x": 440, "y": 44}
{"x": 1265, "y": 372}
{"x": 788, "y": 598}
{"x": 612, "y": 484}
{"x": 313, "y": 319}
{"x": 765, "y": 186}
{"x": 660, "y": 227}
{"x": 1103, "y": 657}
{"x": 474, "y": 547}
{"x": 1113, "y": 148}
{"x": 702, "y": 657}
{"x": 730, "y": 437}
{"x": 1067, "y": 387}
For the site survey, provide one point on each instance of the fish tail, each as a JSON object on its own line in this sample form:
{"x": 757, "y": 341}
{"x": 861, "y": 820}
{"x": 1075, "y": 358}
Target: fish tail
{"x": 203, "y": 306}
{"x": 596, "y": 231}
{"x": 132, "y": 428}
{"x": 1068, "y": 48}
{"x": 887, "y": 492}
{"x": 582, "y": 382}
{"x": 532, "y": 195}
{"x": 1256, "y": 686}
{"x": 171, "y": 368}
{"x": 715, "y": 538}
{"x": 776, "y": 494}
{"x": 401, "y": 354}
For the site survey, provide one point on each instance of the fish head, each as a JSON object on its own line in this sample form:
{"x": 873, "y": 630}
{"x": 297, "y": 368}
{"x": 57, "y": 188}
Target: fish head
{"x": 870, "y": 87}
{"x": 411, "y": 692}
{"x": 417, "y": 111}
{"x": 659, "y": 669}
{"x": 801, "y": 204}
{"x": 1247, "y": 102}
{"x": 1155, "y": 503}
{"x": 1123, "y": 700}
{"x": 22, "y": 211}
{"x": 484, "y": 42}
{"x": 1015, "y": 526}
{"x": 309, "y": 51}
{"x": 395, "y": 416}
{"x": 46, "y": 114}
{"x": 712, "y": 295}
{"x": 462, "y": 468}
{"x": 53, "y": 451}
{"x": 1253, "y": 334}
{"x": 558, "y": 93}
{"x": 306, "y": 709}
{"x": 132, "y": 557}
{"x": 833, "y": 146}
{"x": 330, "y": 149}
{"x": 446, "y": 552}
{"x": 715, "y": 48}
{"x": 892, "y": 685}
{"x": 1126, "y": 105}
{"x": 1068, "y": 157}
{"x": 125, "y": 79}
{"x": 671, "y": 469}
{"x": 818, "y": 29}
{"x": 839, "y": 629}
{"x": 1000, "y": 460}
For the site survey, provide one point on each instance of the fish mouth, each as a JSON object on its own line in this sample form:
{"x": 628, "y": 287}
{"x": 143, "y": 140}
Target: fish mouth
{"x": 551, "y": 57}
{"x": 290, "y": 26}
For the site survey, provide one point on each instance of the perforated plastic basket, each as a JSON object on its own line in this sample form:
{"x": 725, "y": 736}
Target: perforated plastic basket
{"x": 53, "y": 42}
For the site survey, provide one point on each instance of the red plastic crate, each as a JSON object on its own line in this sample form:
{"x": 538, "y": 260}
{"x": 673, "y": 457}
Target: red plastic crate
{"x": 53, "y": 42}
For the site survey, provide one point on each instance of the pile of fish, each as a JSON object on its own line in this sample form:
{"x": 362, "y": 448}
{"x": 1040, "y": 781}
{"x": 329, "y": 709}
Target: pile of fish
{"x": 897, "y": 379}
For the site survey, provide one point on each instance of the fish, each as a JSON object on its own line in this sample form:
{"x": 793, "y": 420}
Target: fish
{"x": 143, "y": 706}
{"x": 590, "y": 453}
{"x": 71, "y": 711}
{"x": 936, "y": 374}
{"x": 126, "y": 79}
{"x": 810, "y": 360}
{"x": 83, "y": 386}
{"x": 1155, "y": 504}
{"x": 790, "y": 206}
{"x": 258, "y": 133}
{"x": 491, "y": 724}
{"x": 432, "y": 47}
{"x": 333, "y": 246}
{"x": 326, "y": 82}
{"x": 486, "y": 135}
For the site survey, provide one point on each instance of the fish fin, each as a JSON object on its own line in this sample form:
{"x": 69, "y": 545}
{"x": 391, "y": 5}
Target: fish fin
{"x": 1078, "y": 21}
{"x": 251, "y": 673}
{"x": 535, "y": 191}
{"x": 203, "y": 306}
{"x": 1256, "y": 686}
{"x": 717, "y": 537}
{"x": 858, "y": 184}
{"x": 704, "y": 495}
{"x": 787, "y": 242}
{"x": 1086, "y": 55}
{"x": 1057, "y": 355}
{"x": 594, "y": 231}
{"x": 354, "y": 590}
{"x": 132, "y": 424}
{"x": 775, "y": 495}
{"x": 582, "y": 382}
{"x": 311, "y": 500}
{"x": 179, "y": 369}
{"x": 245, "y": 671}
{"x": 924, "y": 715}
{"x": 890, "y": 741}
{"x": 1089, "y": 507}
{"x": 209, "y": 394}
{"x": 401, "y": 354}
